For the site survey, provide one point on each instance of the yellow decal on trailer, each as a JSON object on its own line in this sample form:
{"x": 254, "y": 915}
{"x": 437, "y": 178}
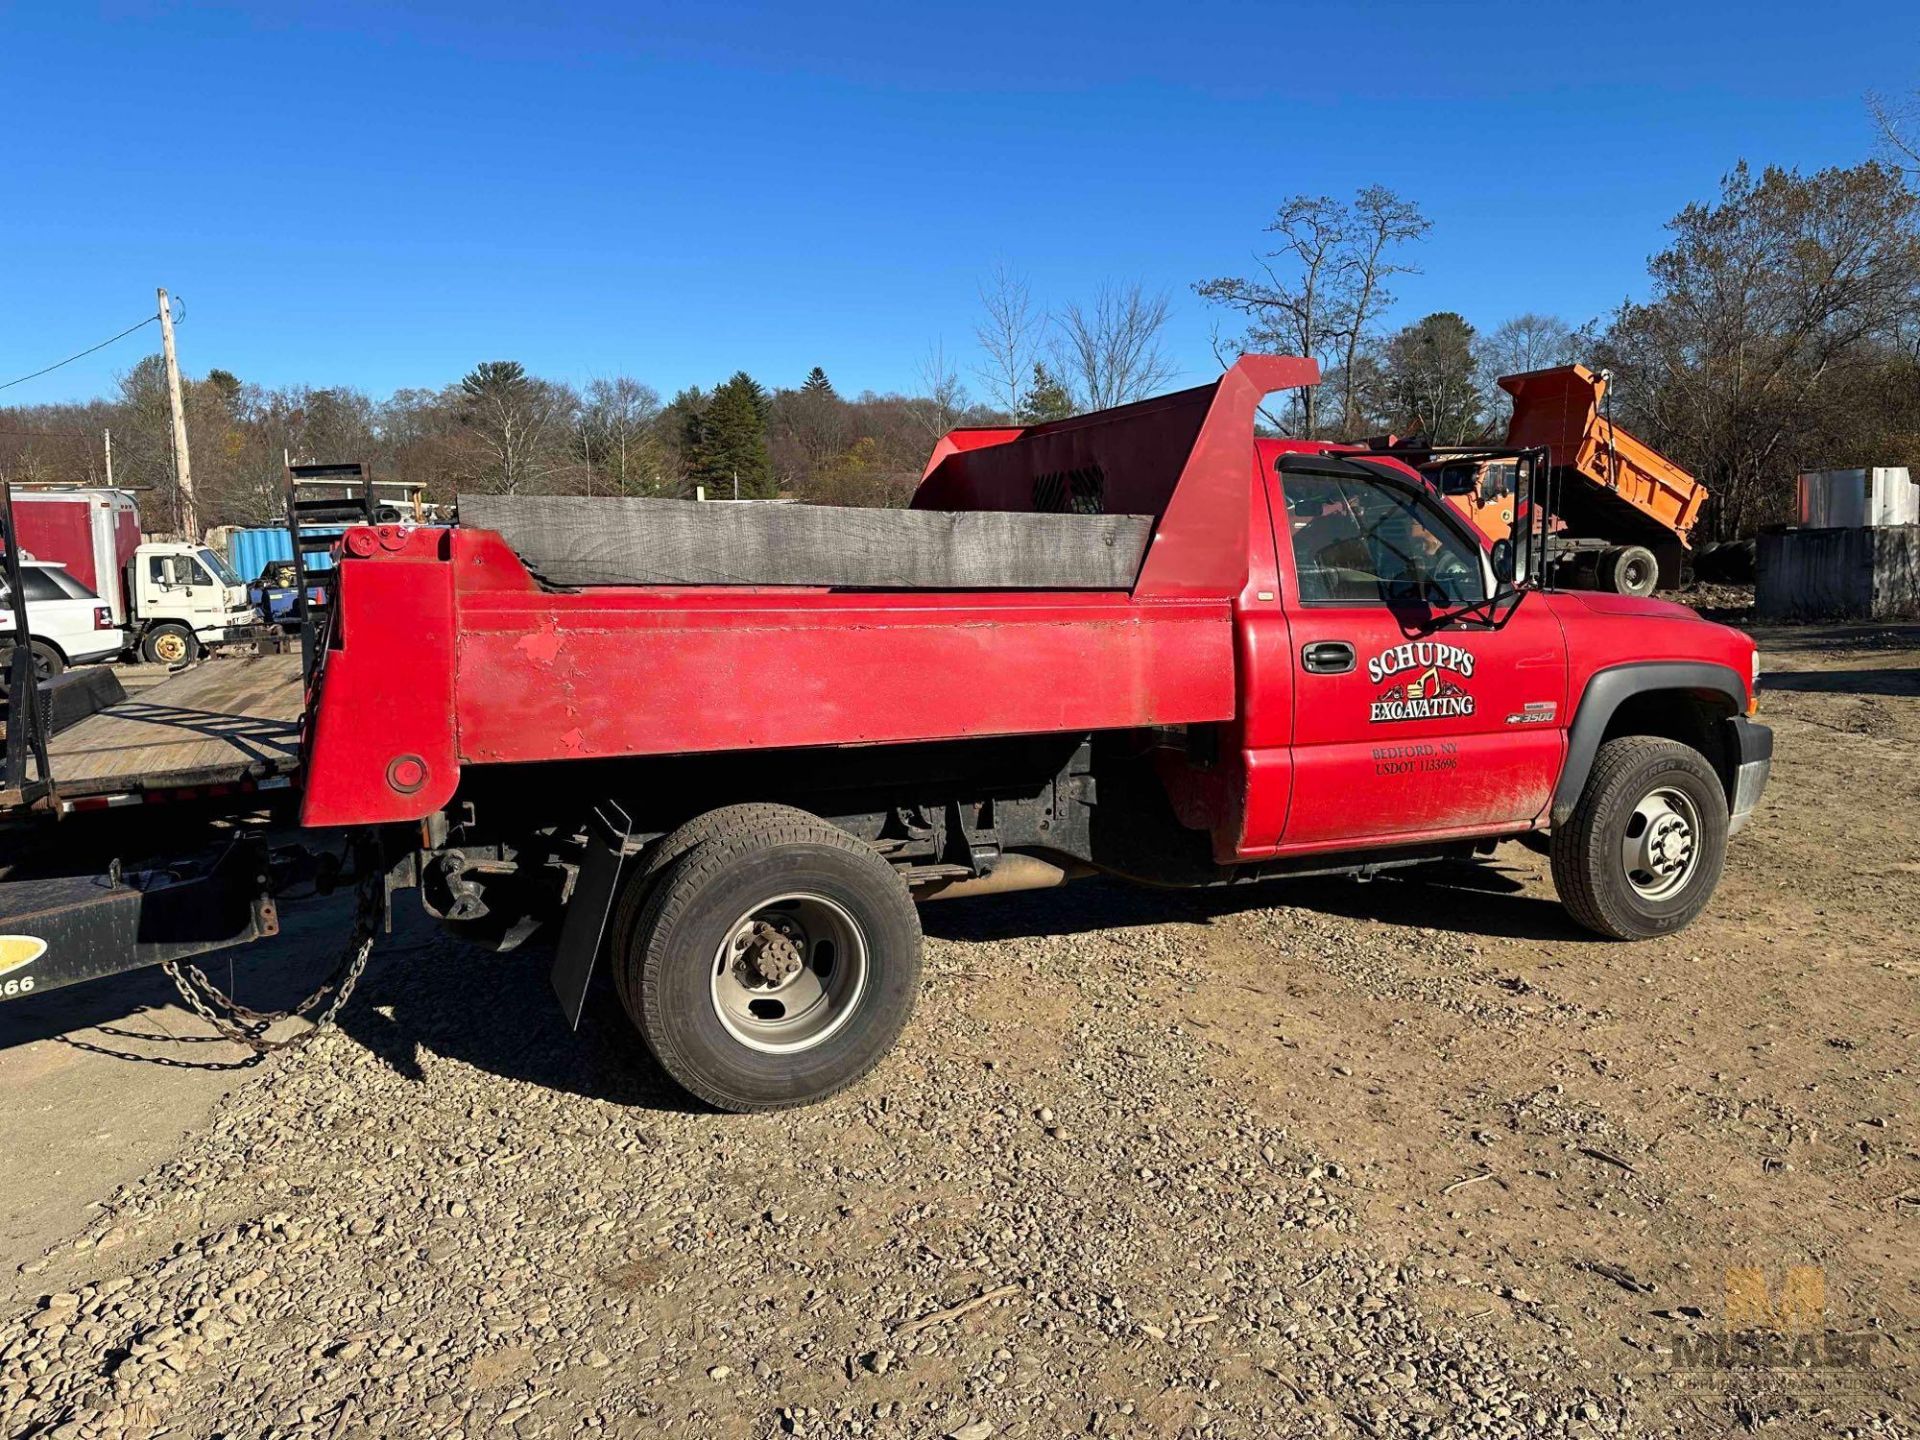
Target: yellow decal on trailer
{"x": 17, "y": 951}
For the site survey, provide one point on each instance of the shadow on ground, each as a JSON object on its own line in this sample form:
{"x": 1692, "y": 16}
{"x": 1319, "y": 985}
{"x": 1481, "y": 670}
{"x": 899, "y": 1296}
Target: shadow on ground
{"x": 1843, "y": 682}
{"x": 425, "y": 993}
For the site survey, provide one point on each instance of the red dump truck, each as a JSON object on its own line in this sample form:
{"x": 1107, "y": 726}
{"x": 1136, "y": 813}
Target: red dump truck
{"x": 724, "y": 750}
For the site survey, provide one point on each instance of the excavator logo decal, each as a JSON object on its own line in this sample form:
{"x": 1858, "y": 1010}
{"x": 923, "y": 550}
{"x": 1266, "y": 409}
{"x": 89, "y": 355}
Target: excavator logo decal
{"x": 1431, "y": 688}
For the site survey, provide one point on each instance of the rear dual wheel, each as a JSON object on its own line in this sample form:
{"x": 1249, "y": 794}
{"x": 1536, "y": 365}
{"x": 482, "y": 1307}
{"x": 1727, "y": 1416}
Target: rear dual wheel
{"x": 1629, "y": 570}
{"x": 767, "y": 958}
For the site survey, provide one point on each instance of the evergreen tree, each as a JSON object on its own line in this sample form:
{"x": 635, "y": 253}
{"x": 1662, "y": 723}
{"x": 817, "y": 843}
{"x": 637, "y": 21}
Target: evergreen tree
{"x": 817, "y": 383}
{"x": 1431, "y": 380}
{"x": 1046, "y": 399}
{"x": 724, "y": 437}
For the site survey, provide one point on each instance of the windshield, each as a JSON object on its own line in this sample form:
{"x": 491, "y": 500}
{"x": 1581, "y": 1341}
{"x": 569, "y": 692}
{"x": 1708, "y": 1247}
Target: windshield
{"x": 222, "y": 571}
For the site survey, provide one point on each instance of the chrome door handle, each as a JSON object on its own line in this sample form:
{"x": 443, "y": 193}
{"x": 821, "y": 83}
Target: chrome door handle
{"x": 1327, "y": 657}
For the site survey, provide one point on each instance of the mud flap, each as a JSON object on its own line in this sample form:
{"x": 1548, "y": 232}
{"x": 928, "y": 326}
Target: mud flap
{"x": 587, "y": 911}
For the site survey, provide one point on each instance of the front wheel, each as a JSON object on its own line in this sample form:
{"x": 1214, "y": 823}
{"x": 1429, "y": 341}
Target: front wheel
{"x": 167, "y": 644}
{"x": 1644, "y": 848}
{"x": 774, "y": 963}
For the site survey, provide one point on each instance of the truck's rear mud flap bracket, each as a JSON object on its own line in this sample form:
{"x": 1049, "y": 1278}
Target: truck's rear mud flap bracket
{"x": 587, "y": 911}
{"x": 62, "y": 930}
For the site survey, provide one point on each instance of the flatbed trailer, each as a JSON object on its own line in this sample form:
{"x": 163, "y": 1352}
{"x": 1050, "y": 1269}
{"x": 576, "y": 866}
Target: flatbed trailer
{"x": 722, "y": 751}
{"x": 225, "y": 728}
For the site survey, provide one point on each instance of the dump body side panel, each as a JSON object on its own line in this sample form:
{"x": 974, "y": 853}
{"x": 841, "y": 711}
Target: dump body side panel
{"x": 653, "y": 671}
{"x": 381, "y": 744}
{"x": 448, "y": 653}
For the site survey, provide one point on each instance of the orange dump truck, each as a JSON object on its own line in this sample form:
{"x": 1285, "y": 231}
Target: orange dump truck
{"x": 1622, "y": 510}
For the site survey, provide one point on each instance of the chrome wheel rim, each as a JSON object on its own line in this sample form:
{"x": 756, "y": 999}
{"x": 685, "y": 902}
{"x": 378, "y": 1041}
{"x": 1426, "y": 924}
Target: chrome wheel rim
{"x": 789, "y": 973}
{"x": 1661, "y": 847}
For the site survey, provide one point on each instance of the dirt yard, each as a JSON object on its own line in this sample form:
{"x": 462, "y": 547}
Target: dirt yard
{"x": 1413, "y": 1158}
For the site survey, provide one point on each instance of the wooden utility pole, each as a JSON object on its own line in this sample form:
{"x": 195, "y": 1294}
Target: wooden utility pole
{"x": 182, "y": 467}
{"x": 106, "y": 441}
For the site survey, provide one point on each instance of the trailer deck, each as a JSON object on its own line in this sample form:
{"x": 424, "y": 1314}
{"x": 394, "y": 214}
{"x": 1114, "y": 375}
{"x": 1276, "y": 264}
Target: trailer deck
{"x": 225, "y": 722}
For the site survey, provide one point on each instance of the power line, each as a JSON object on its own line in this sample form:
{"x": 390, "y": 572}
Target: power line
{"x": 8, "y": 385}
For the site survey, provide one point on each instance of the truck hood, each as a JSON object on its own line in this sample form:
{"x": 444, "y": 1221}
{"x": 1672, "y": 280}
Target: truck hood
{"x": 1630, "y": 606}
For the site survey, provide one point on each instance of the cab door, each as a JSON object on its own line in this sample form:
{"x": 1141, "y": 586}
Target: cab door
{"x": 1425, "y": 706}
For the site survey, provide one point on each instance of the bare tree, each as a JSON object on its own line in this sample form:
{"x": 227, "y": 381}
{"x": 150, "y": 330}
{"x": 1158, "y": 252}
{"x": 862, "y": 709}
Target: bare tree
{"x": 618, "y": 435}
{"x": 1009, "y": 332}
{"x": 516, "y": 421}
{"x": 1298, "y": 312}
{"x": 1109, "y": 352}
{"x": 1379, "y": 221}
{"x": 1526, "y": 342}
{"x": 946, "y": 396}
{"x": 1898, "y": 122}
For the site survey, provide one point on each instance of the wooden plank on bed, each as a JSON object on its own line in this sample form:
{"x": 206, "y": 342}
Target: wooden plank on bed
{"x": 222, "y": 721}
{"x": 624, "y": 540}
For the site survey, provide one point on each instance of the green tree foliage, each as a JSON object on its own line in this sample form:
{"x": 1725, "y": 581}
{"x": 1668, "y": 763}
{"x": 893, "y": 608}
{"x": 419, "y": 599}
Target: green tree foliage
{"x": 817, "y": 383}
{"x": 1044, "y": 399}
{"x": 724, "y": 440}
{"x": 1775, "y": 308}
{"x": 1431, "y": 383}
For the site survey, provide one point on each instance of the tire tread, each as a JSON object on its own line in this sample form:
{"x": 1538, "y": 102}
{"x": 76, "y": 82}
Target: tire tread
{"x": 1581, "y": 869}
{"x": 684, "y": 877}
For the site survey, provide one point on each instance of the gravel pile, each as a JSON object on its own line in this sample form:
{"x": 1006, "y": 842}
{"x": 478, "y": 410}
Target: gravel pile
{"x": 456, "y": 1218}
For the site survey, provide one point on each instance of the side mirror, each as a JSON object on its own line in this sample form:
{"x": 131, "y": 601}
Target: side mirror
{"x": 1501, "y": 554}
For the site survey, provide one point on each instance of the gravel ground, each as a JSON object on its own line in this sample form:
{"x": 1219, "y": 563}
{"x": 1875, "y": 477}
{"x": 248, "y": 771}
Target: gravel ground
{"x": 1413, "y": 1158}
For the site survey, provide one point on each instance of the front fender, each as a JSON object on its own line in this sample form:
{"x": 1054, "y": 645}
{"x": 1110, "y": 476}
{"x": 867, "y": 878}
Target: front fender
{"x": 1609, "y": 689}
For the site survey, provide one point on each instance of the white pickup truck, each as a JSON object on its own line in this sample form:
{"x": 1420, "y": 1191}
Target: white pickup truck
{"x": 185, "y": 598}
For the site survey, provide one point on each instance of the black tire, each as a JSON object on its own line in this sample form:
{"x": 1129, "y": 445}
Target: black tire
{"x": 676, "y": 966}
{"x": 1590, "y": 867}
{"x": 1630, "y": 570}
{"x": 168, "y": 644}
{"x": 47, "y": 663}
{"x": 661, "y": 854}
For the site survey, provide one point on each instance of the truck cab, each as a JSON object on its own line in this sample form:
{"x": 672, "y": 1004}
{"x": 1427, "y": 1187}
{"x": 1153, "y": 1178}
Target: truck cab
{"x": 185, "y": 598}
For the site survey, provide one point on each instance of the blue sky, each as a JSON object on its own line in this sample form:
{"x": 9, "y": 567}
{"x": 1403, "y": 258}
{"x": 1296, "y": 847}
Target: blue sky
{"x": 382, "y": 195}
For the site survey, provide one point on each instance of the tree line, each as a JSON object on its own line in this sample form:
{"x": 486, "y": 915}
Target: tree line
{"x": 1780, "y": 331}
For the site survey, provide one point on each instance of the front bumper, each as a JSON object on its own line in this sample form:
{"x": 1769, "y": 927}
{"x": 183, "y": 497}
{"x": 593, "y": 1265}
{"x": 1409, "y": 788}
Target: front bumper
{"x": 239, "y": 634}
{"x": 1752, "y": 756}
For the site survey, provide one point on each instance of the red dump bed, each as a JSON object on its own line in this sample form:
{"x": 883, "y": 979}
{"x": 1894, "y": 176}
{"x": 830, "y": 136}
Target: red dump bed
{"x": 448, "y": 653}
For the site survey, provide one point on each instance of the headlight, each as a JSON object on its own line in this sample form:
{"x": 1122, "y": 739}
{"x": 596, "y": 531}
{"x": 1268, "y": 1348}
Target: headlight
{"x": 1753, "y": 685}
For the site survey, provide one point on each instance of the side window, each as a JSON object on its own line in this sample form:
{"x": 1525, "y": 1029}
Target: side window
{"x": 192, "y": 572}
{"x": 39, "y": 585}
{"x": 1359, "y": 542}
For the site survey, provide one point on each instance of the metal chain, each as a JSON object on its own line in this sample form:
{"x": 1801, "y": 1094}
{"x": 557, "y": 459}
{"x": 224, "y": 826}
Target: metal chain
{"x": 248, "y": 1027}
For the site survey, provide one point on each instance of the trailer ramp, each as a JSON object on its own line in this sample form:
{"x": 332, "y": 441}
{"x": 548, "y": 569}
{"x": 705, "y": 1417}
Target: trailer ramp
{"x": 226, "y": 725}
